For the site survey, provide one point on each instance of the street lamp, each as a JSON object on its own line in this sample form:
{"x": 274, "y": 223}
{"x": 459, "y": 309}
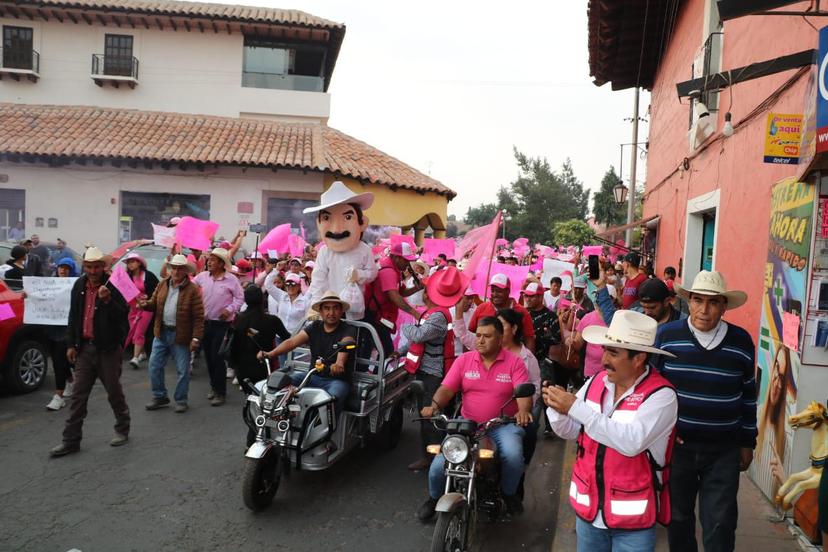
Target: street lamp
{"x": 506, "y": 218}
{"x": 619, "y": 192}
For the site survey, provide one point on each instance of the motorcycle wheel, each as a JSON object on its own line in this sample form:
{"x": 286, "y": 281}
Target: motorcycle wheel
{"x": 450, "y": 532}
{"x": 261, "y": 481}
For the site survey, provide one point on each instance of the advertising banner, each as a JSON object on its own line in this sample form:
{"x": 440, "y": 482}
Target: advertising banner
{"x": 780, "y": 331}
{"x": 782, "y": 138}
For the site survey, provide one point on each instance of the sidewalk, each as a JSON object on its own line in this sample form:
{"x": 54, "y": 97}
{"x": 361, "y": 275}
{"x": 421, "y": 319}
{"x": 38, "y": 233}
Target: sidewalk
{"x": 754, "y": 534}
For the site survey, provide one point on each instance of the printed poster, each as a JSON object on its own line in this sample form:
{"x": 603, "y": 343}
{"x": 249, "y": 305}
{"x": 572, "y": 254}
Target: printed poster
{"x": 778, "y": 364}
{"x": 782, "y": 138}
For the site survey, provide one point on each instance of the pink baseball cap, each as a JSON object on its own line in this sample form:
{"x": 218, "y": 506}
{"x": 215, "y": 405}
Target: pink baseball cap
{"x": 499, "y": 280}
{"x": 403, "y": 249}
{"x": 469, "y": 292}
{"x": 310, "y": 264}
{"x": 533, "y": 288}
{"x": 293, "y": 278}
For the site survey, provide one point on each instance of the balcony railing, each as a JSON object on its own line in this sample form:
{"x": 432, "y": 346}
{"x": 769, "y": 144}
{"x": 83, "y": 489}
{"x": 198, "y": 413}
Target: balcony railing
{"x": 18, "y": 62}
{"x": 114, "y": 69}
{"x": 282, "y": 82}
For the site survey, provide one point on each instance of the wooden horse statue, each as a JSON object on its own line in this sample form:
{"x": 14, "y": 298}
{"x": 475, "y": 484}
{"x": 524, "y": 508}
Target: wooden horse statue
{"x": 816, "y": 418}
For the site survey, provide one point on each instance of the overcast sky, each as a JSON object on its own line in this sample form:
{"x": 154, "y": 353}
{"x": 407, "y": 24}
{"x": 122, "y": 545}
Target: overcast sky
{"x": 449, "y": 87}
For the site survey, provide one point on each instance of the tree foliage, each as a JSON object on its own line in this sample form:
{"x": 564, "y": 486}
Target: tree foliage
{"x": 481, "y": 215}
{"x": 604, "y": 207}
{"x": 572, "y": 232}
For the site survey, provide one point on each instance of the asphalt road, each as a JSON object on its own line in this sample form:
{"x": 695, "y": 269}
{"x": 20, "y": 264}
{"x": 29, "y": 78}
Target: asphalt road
{"x": 176, "y": 486}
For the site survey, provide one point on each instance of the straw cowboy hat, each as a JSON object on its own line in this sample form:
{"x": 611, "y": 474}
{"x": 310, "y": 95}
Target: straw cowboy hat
{"x": 446, "y": 287}
{"x": 181, "y": 260}
{"x": 712, "y": 283}
{"x": 330, "y": 297}
{"x": 338, "y": 194}
{"x": 95, "y": 255}
{"x": 224, "y": 255}
{"x": 630, "y": 330}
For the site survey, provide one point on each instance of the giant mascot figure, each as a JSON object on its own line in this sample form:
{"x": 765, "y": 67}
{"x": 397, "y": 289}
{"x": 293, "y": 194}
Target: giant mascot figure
{"x": 345, "y": 258}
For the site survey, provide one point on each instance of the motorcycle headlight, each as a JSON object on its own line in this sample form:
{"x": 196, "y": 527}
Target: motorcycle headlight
{"x": 455, "y": 449}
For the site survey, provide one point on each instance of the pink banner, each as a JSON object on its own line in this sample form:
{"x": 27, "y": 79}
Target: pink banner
{"x": 276, "y": 239}
{"x": 516, "y": 274}
{"x": 296, "y": 245}
{"x": 123, "y": 283}
{"x": 591, "y": 250}
{"x": 6, "y": 312}
{"x": 433, "y": 247}
{"x": 196, "y": 233}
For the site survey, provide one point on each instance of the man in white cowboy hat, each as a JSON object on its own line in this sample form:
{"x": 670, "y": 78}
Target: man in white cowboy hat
{"x": 223, "y": 297}
{"x": 179, "y": 328}
{"x": 624, "y": 418}
{"x": 713, "y": 374}
{"x": 345, "y": 258}
{"x": 321, "y": 336}
{"x": 95, "y": 336}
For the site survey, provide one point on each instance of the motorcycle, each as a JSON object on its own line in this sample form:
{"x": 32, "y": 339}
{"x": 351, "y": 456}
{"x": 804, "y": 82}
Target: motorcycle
{"x": 472, "y": 476}
{"x": 297, "y": 427}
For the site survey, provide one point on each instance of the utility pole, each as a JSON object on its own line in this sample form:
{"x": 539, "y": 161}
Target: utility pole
{"x": 633, "y": 159}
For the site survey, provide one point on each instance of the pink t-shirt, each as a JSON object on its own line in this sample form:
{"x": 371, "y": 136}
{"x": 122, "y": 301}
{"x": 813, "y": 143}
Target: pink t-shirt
{"x": 485, "y": 390}
{"x": 594, "y": 353}
{"x": 388, "y": 278}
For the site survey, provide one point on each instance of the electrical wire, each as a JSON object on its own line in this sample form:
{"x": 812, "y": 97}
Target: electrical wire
{"x": 643, "y": 37}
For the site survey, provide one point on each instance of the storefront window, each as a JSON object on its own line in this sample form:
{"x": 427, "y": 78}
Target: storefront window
{"x": 281, "y": 210}
{"x": 12, "y": 215}
{"x": 140, "y": 210}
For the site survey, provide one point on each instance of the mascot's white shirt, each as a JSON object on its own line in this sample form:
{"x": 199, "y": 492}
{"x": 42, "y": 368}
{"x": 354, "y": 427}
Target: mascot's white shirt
{"x": 331, "y": 270}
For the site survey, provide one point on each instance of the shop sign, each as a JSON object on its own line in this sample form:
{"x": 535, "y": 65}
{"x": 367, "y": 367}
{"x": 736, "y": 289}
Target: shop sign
{"x": 782, "y": 138}
{"x": 822, "y": 93}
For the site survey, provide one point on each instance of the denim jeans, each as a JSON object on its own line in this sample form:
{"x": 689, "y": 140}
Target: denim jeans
{"x": 336, "y": 388}
{"x": 509, "y": 441}
{"x": 592, "y": 539}
{"x": 162, "y": 347}
{"x": 712, "y": 473}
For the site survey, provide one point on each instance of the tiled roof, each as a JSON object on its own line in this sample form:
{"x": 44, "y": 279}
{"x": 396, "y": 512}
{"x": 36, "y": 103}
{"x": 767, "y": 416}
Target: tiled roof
{"x": 66, "y": 132}
{"x": 195, "y": 9}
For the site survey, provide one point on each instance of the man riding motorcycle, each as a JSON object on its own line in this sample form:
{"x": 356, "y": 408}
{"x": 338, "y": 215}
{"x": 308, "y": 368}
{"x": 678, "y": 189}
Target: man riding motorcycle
{"x": 486, "y": 378}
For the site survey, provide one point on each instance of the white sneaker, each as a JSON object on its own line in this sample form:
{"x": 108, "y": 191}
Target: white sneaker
{"x": 56, "y": 403}
{"x": 135, "y": 363}
{"x": 235, "y": 381}
{"x": 142, "y": 357}
{"x": 230, "y": 373}
{"x": 68, "y": 391}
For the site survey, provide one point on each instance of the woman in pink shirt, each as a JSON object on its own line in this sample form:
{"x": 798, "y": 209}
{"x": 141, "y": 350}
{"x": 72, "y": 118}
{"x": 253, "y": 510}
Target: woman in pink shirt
{"x": 592, "y": 357}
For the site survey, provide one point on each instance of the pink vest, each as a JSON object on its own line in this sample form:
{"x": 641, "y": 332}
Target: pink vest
{"x": 624, "y": 488}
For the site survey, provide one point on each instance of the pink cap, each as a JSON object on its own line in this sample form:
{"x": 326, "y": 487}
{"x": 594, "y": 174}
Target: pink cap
{"x": 403, "y": 249}
{"x": 499, "y": 280}
{"x": 310, "y": 264}
{"x": 295, "y": 259}
{"x": 292, "y": 277}
{"x": 533, "y": 288}
{"x": 469, "y": 292}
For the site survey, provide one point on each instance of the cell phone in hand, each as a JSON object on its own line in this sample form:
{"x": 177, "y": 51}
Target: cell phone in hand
{"x": 594, "y": 269}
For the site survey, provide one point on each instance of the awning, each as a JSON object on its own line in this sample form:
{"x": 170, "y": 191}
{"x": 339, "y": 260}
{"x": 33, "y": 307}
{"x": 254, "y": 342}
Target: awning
{"x": 650, "y": 222}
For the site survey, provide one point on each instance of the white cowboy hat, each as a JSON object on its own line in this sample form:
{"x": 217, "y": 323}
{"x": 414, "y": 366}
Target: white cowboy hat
{"x": 628, "y": 330}
{"x": 330, "y": 297}
{"x": 94, "y": 254}
{"x": 712, "y": 283}
{"x": 181, "y": 260}
{"x": 224, "y": 255}
{"x": 338, "y": 194}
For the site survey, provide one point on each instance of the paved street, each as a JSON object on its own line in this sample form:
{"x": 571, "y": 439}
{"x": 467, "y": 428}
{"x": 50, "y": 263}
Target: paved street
{"x": 175, "y": 486}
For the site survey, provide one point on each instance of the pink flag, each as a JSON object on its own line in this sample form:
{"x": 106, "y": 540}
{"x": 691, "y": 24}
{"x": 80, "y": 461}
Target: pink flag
{"x": 6, "y": 311}
{"x": 516, "y": 274}
{"x": 433, "y": 247}
{"x": 482, "y": 242}
{"x": 296, "y": 245}
{"x": 195, "y": 233}
{"x": 123, "y": 283}
{"x": 276, "y": 239}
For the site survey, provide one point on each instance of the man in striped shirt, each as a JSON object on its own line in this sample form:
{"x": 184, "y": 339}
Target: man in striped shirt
{"x": 713, "y": 374}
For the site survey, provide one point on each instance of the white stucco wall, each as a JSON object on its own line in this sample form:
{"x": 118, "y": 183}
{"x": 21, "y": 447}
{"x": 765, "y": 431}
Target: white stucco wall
{"x": 180, "y": 71}
{"x": 86, "y": 199}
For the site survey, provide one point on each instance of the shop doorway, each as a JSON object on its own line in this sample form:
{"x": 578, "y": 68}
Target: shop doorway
{"x": 708, "y": 240}
{"x": 700, "y": 240}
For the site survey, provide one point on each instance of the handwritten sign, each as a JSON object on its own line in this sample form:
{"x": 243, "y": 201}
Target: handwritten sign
{"x": 124, "y": 284}
{"x": 790, "y": 331}
{"x": 163, "y": 236}
{"x": 47, "y": 300}
{"x": 6, "y": 311}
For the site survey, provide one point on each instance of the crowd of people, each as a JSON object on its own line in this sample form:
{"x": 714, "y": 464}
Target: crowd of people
{"x": 657, "y": 389}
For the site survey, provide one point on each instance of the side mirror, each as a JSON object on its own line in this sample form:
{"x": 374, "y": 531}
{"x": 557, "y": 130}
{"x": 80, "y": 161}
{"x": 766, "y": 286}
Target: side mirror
{"x": 524, "y": 390}
{"x": 417, "y": 388}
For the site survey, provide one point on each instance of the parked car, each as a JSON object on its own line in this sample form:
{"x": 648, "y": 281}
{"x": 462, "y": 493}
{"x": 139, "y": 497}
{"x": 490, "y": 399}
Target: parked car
{"x": 23, "y": 356}
{"x": 155, "y": 255}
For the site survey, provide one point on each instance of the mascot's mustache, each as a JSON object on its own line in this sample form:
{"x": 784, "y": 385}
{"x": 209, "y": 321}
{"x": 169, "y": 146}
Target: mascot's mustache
{"x": 339, "y": 236}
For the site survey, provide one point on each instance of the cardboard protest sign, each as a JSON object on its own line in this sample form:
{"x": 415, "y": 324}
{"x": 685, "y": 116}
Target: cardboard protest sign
{"x": 121, "y": 281}
{"x": 47, "y": 300}
{"x": 195, "y": 233}
{"x": 163, "y": 236}
{"x": 563, "y": 270}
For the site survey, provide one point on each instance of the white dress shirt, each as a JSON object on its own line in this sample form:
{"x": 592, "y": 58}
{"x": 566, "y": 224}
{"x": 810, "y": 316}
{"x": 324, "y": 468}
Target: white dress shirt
{"x": 649, "y": 429}
{"x": 291, "y": 313}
